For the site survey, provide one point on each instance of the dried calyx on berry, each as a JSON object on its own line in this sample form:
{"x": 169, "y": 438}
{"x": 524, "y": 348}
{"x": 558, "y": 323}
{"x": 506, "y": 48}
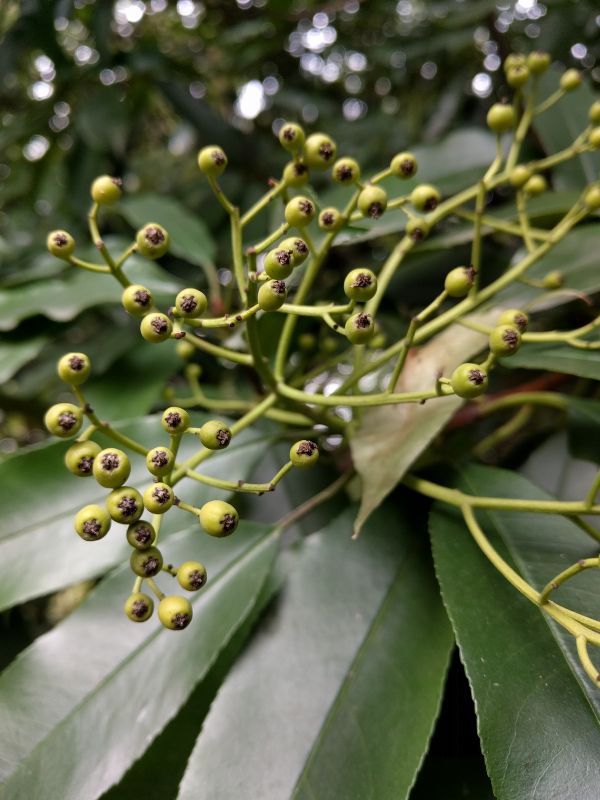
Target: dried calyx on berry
{"x": 152, "y": 241}
{"x": 304, "y": 453}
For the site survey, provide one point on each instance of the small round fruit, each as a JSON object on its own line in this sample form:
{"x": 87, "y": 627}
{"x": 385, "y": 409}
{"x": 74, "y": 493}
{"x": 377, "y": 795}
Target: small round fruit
{"x": 185, "y": 349}
{"x": 346, "y": 170}
{"x": 137, "y": 300}
{"x": 156, "y": 327}
{"x": 570, "y": 80}
{"x": 459, "y": 280}
{"x": 295, "y": 174}
{"x": 504, "y": 340}
{"x": 63, "y": 420}
{"x": 501, "y": 118}
{"x": 139, "y": 607}
{"x": 175, "y": 612}
{"x": 372, "y": 201}
{"x": 304, "y": 453}
{"x": 79, "y": 458}
{"x": 291, "y": 137}
{"x": 191, "y": 303}
{"x": 61, "y": 244}
{"x": 359, "y": 328}
{"x": 299, "y": 212}
{"x": 191, "y": 575}
{"x": 146, "y": 563}
{"x": 74, "y": 368}
{"x": 469, "y": 380}
{"x": 425, "y": 197}
{"x": 159, "y": 461}
{"x": 594, "y": 138}
{"x": 403, "y": 165}
{"x": 297, "y": 247}
{"x": 158, "y": 498}
{"x": 416, "y": 229}
{"x": 360, "y": 285}
{"x": 218, "y": 518}
{"x": 553, "y": 280}
{"x": 175, "y": 419}
{"x": 111, "y": 468}
{"x": 92, "y": 523}
{"x": 125, "y": 505}
{"x": 330, "y": 219}
{"x": 106, "y": 190}
{"x": 319, "y": 151}
{"x": 152, "y": 241}
{"x": 519, "y": 176}
{"x": 141, "y": 535}
{"x": 279, "y": 263}
{"x": 307, "y": 342}
{"x": 517, "y": 76}
{"x": 212, "y": 160}
{"x": 272, "y": 295}
{"x": 516, "y": 318}
{"x": 594, "y": 112}
{"x": 538, "y": 62}
{"x": 328, "y": 345}
{"x": 215, "y": 435}
{"x": 514, "y": 60}
{"x": 591, "y": 198}
{"x": 535, "y": 185}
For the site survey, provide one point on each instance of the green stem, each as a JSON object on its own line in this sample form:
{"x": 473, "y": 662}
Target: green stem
{"x": 263, "y": 202}
{"x": 221, "y": 352}
{"x": 240, "y": 486}
{"x": 563, "y": 577}
{"x": 227, "y": 321}
{"x": 78, "y": 262}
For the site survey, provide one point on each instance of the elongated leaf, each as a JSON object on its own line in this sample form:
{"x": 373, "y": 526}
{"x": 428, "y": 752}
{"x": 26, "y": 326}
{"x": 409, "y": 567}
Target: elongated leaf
{"x": 557, "y": 358}
{"x": 358, "y": 644}
{"x": 523, "y": 670}
{"x": 584, "y": 427}
{"x": 14, "y": 355}
{"x": 84, "y": 701}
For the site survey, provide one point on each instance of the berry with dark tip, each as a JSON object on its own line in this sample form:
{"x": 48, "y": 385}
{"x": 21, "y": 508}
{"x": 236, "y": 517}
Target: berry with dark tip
{"x": 61, "y": 244}
{"x": 175, "y": 420}
{"x": 92, "y": 523}
{"x": 79, "y": 458}
{"x": 416, "y": 228}
{"x": 139, "y": 607}
{"x": 504, "y": 340}
{"x": 279, "y": 263}
{"x": 63, "y": 420}
{"x": 319, "y": 151}
{"x": 106, "y": 190}
{"x": 158, "y": 498}
{"x": 459, "y": 280}
{"x": 218, "y": 518}
{"x": 359, "y": 328}
{"x": 304, "y": 453}
{"x": 146, "y": 563}
{"x": 175, "y": 612}
{"x": 299, "y": 212}
{"x": 425, "y": 197}
{"x": 137, "y": 300}
{"x": 346, "y": 170}
{"x": 330, "y": 219}
{"x": 156, "y": 327}
{"x": 191, "y": 303}
{"x": 360, "y": 285}
{"x": 403, "y": 165}
{"x": 215, "y": 435}
{"x": 191, "y": 575}
{"x": 125, "y": 505}
{"x": 212, "y": 160}
{"x": 515, "y": 317}
{"x": 372, "y": 201}
{"x": 469, "y": 380}
{"x": 297, "y": 247}
{"x": 295, "y": 174}
{"x": 291, "y": 137}
{"x": 74, "y": 368}
{"x": 152, "y": 241}
{"x": 141, "y": 535}
{"x": 159, "y": 461}
{"x": 272, "y": 295}
{"x": 111, "y": 467}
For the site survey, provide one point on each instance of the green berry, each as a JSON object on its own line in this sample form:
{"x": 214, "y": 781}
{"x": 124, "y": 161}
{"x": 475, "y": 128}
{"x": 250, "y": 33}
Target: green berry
{"x": 504, "y": 340}
{"x": 191, "y": 303}
{"x": 141, "y": 535}
{"x": 346, "y": 170}
{"x": 517, "y": 76}
{"x": 514, "y": 60}
{"x": 61, "y": 244}
{"x": 535, "y": 185}
{"x": 92, "y": 523}
{"x": 594, "y": 112}
{"x": 175, "y": 420}
{"x": 519, "y": 176}
{"x": 538, "y": 62}
{"x": 111, "y": 468}
{"x": 328, "y": 345}
{"x": 175, "y": 612}
{"x": 125, "y": 505}
{"x": 330, "y": 219}
{"x": 185, "y": 349}
{"x": 63, "y": 420}
{"x": 403, "y": 165}
{"x": 191, "y": 575}
{"x": 291, "y": 137}
{"x": 106, "y": 190}
{"x": 416, "y": 229}
{"x": 425, "y": 197}
{"x": 152, "y": 241}
{"x": 156, "y": 327}
{"x": 299, "y": 212}
{"x": 218, "y": 518}
{"x": 74, "y": 368}
{"x": 501, "y": 118}
{"x": 137, "y": 300}
{"x": 372, "y": 201}
{"x": 359, "y": 328}
{"x": 591, "y": 198}
{"x": 79, "y": 458}
{"x": 139, "y": 607}
{"x": 319, "y": 151}
{"x": 158, "y": 498}
{"x": 146, "y": 563}
{"x": 469, "y": 380}
{"x": 360, "y": 285}
{"x": 594, "y": 138}
{"x": 295, "y": 174}
{"x": 272, "y": 295}
{"x": 215, "y": 435}
{"x": 515, "y": 317}
{"x": 159, "y": 461}
{"x": 304, "y": 453}
{"x": 459, "y": 280}
{"x": 570, "y": 80}
{"x": 279, "y": 263}
{"x": 297, "y": 247}
{"x": 307, "y": 342}
{"x": 553, "y": 280}
{"x": 212, "y": 160}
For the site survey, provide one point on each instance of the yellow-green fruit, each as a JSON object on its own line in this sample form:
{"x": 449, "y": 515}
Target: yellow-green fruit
{"x": 553, "y": 280}
{"x": 570, "y": 80}
{"x": 359, "y": 328}
{"x": 346, "y": 170}
{"x": 307, "y": 342}
{"x": 191, "y": 303}
{"x": 469, "y": 380}
{"x": 152, "y": 241}
{"x": 416, "y": 229}
{"x": 137, "y": 300}
{"x": 158, "y": 498}
{"x": 156, "y": 327}
{"x": 594, "y": 138}
{"x": 61, "y": 244}
{"x": 175, "y": 419}
{"x": 517, "y": 76}
{"x": 295, "y": 174}
{"x": 372, "y": 201}
{"x": 328, "y": 345}
{"x": 299, "y": 212}
{"x": 297, "y": 247}
{"x": 79, "y": 458}
{"x": 591, "y": 198}
{"x": 175, "y": 612}
{"x": 330, "y": 219}
{"x": 63, "y": 420}
{"x": 403, "y": 165}
{"x": 360, "y": 285}
{"x": 106, "y": 190}
{"x": 185, "y": 349}
{"x": 141, "y": 535}
{"x": 92, "y": 523}
{"x": 146, "y": 563}
{"x": 535, "y": 185}
{"x": 215, "y": 435}
{"x": 594, "y": 112}
{"x": 125, "y": 505}
{"x": 538, "y": 62}
{"x": 160, "y": 461}
{"x": 504, "y": 340}
{"x": 279, "y": 263}
{"x": 459, "y": 280}
{"x": 272, "y": 295}
{"x": 218, "y": 518}
{"x": 425, "y": 197}
{"x": 111, "y": 467}
{"x": 212, "y": 160}
{"x": 514, "y": 60}
{"x": 304, "y": 453}
{"x": 191, "y": 575}
{"x": 291, "y": 137}
{"x": 515, "y": 317}
{"x": 74, "y": 368}
{"x": 519, "y": 176}
{"x": 139, "y": 607}
{"x": 501, "y": 118}
{"x": 319, "y": 151}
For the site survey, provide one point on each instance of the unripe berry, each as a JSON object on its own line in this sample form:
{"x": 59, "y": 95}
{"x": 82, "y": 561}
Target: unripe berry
{"x": 295, "y": 174}
{"x": 359, "y": 328}
{"x": 297, "y": 247}
{"x": 139, "y": 607}
{"x": 538, "y": 62}
{"x": 79, "y": 458}
{"x": 215, "y": 435}
{"x": 514, "y": 60}
{"x": 61, "y": 244}
{"x": 519, "y": 176}
{"x": 141, "y": 535}
{"x": 535, "y": 185}
{"x": 360, "y": 285}
{"x": 346, "y": 170}
{"x": 146, "y": 563}
{"x": 517, "y": 76}
{"x": 191, "y": 575}
{"x": 175, "y": 420}
{"x": 291, "y": 137}
{"x": 515, "y": 317}
{"x": 191, "y": 303}
{"x": 372, "y": 201}
{"x": 469, "y": 380}
{"x": 592, "y": 198}
{"x": 425, "y": 197}
{"x": 137, "y": 300}
{"x": 319, "y": 151}
{"x": 416, "y": 229}
{"x": 106, "y": 190}
{"x": 125, "y": 505}
{"x": 570, "y": 80}
{"x": 185, "y": 349}
{"x": 594, "y": 138}
{"x": 63, "y": 420}
{"x": 111, "y": 468}
{"x": 330, "y": 219}
{"x": 328, "y": 345}
{"x": 299, "y": 212}
{"x": 279, "y": 263}
{"x": 156, "y": 327}
{"x": 307, "y": 342}
{"x": 158, "y": 498}
{"x": 160, "y": 461}
{"x": 459, "y": 280}
{"x": 218, "y": 518}
{"x": 594, "y": 112}
{"x": 152, "y": 241}
{"x": 553, "y": 280}
{"x": 504, "y": 340}
{"x": 92, "y": 523}
{"x": 403, "y": 165}
{"x": 272, "y": 295}
{"x": 212, "y": 160}
{"x": 304, "y": 453}
{"x": 175, "y": 612}
{"x": 74, "y": 368}
{"x": 501, "y": 118}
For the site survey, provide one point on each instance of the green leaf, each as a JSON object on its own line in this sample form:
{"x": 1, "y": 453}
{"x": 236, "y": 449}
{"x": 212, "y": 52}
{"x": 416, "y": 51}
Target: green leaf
{"x": 556, "y": 358}
{"x": 522, "y": 668}
{"x": 357, "y": 645}
{"x": 14, "y": 355}
{"x": 584, "y": 427}
{"x": 84, "y": 701}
